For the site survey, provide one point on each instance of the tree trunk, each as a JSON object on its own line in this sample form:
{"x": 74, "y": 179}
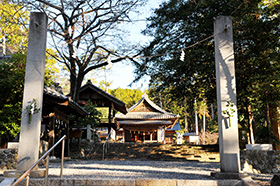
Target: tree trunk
{"x": 267, "y": 118}
{"x": 186, "y": 118}
{"x": 274, "y": 114}
{"x": 212, "y": 111}
{"x": 4, "y": 46}
{"x": 250, "y": 122}
{"x": 78, "y": 83}
{"x": 196, "y": 119}
{"x": 73, "y": 83}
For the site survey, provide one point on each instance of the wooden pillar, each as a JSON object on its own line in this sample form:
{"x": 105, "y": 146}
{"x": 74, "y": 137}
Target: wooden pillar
{"x": 226, "y": 93}
{"x": 29, "y": 140}
{"x": 67, "y": 141}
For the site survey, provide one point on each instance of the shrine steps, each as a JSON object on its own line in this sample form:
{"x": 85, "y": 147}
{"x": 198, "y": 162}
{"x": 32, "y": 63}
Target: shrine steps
{"x": 154, "y": 151}
{"x": 133, "y": 182}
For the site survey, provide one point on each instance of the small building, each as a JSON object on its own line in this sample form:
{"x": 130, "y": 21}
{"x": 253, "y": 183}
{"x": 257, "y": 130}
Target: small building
{"x": 189, "y": 138}
{"x": 56, "y": 110}
{"x": 100, "y": 98}
{"x": 145, "y": 122}
{"x": 170, "y": 133}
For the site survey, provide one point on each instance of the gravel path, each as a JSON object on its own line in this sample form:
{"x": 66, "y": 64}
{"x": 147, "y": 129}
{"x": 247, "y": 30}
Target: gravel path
{"x": 135, "y": 169}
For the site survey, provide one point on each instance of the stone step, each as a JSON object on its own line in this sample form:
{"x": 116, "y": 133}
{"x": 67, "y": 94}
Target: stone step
{"x": 142, "y": 151}
{"x": 132, "y": 182}
{"x": 7, "y": 182}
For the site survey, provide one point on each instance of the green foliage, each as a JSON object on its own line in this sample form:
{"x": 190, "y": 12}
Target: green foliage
{"x": 183, "y": 24}
{"x": 104, "y": 85}
{"x": 12, "y": 74}
{"x": 128, "y": 96}
{"x": 91, "y": 119}
{"x": 13, "y": 40}
{"x": 13, "y": 33}
{"x": 229, "y": 111}
{"x": 213, "y": 125}
{"x": 32, "y": 109}
{"x": 51, "y": 67}
{"x": 262, "y": 134}
{"x": 11, "y": 89}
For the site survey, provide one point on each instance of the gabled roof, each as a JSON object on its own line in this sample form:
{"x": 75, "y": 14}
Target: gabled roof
{"x": 175, "y": 127}
{"x": 60, "y": 99}
{"x": 97, "y": 94}
{"x": 151, "y": 104}
{"x": 146, "y": 109}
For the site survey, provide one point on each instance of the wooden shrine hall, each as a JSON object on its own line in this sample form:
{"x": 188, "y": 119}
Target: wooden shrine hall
{"x": 100, "y": 98}
{"x": 145, "y": 122}
{"x": 56, "y": 110}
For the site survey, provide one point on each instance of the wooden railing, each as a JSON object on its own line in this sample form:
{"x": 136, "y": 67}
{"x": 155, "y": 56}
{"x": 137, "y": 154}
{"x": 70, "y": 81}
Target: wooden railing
{"x": 26, "y": 173}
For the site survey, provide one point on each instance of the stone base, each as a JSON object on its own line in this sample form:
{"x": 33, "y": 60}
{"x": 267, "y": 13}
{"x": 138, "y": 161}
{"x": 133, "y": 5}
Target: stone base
{"x": 229, "y": 176}
{"x": 267, "y": 147}
{"x": 33, "y": 174}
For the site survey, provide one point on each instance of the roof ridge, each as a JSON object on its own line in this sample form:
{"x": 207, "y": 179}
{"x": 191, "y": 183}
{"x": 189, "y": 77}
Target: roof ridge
{"x": 89, "y": 83}
{"x": 150, "y": 102}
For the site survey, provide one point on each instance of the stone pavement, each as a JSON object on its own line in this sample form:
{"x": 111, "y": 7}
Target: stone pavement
{"x": 184, "y": 170}
{"x": 137, "y": 173}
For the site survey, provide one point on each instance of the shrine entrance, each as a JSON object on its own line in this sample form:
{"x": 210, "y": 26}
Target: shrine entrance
{"x": 141, "y": 136}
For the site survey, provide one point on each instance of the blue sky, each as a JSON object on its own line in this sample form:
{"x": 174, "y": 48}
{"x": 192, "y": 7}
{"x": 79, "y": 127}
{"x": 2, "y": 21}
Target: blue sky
{"x": 121, "y": 74}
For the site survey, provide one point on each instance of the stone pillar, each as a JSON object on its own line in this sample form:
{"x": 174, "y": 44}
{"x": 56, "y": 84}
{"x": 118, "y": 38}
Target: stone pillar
{"x": 160, "y": 134}
{"x": 33, "y": 90}
{"x": 113, "y": 134}
{"x": 89, "y": 132}
{"x": 226, "y": 93}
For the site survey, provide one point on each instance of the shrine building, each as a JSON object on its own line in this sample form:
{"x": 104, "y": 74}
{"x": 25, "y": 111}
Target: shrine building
{"x": 145, "y": 122}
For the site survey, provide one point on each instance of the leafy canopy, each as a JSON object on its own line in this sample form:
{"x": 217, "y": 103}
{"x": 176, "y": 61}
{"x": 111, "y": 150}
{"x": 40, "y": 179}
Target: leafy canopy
{"x": 188, "y": 25}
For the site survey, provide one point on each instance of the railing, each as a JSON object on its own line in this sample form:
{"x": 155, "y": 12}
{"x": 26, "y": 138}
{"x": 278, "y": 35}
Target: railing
{"x": 26, "y": 174}
{"x": 104, "y": 145}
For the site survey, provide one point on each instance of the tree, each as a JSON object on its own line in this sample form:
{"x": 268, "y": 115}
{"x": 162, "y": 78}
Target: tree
{"x": 91, "y": 119}
{"x": 12, "y": 28}
{"x": 11, "y": 89}
{"x": 188, "y": 26}
{"x": 12, "y": 74}
{"x": 128, "y": 96}
{"x": 84, "y": 32}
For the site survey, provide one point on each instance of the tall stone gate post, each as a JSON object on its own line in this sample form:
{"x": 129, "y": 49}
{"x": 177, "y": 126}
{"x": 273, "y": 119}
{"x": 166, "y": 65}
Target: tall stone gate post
{"x": 30, "y": 130}
{"x": 226, "y": 96}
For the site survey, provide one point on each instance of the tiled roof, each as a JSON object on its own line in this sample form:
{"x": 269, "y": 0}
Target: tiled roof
{"x": 152, "y": 104}
{"x": 72, "y": 104}
{"x": 175, "y": 127}
{"x": 143, "y": 122}
{"x": 55, "y": 94}
{"x": 158, "y": 114}
{"x": 118, "y": 104}
{"x": 146, "y": 115}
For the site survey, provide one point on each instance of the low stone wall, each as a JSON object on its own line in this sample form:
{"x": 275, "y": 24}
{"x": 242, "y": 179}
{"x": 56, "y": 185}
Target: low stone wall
{"x": 148, "y": 151}
{"x": 255, "y": 161}
{"x": 8, "y": 159}
{"x": 259, "y": 161}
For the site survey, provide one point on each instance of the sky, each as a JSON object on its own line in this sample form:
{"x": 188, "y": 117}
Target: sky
{"x": 121, "y": 74}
